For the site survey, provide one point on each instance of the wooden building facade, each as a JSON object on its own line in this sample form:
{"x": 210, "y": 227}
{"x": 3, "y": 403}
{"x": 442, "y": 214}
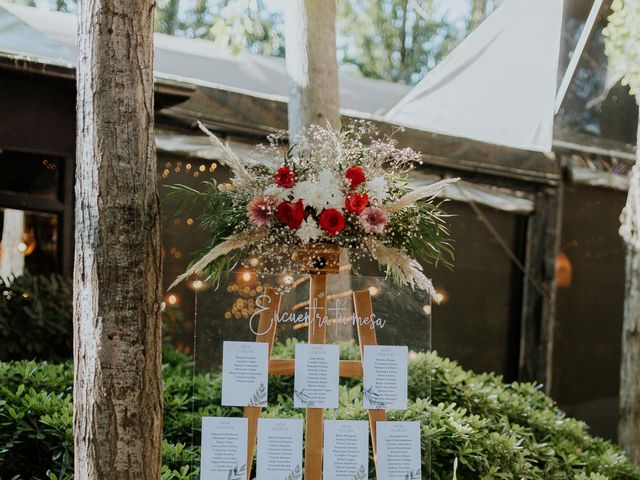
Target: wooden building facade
{"x": 536, "y": 291}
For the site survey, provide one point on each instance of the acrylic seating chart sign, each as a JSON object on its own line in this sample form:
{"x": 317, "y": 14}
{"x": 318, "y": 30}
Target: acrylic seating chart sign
{"x": 352, "y": 396}
{"x": 292, "y": 308}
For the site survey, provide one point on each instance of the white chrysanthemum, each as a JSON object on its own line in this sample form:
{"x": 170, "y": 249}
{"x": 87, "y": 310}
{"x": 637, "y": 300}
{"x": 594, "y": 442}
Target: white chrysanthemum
{"x": 325, "y": 193}
{"x": 277, "y": 193}
{"x": 309, "y": 230}
{"x": 377, "y": 189}
{"x": 331, "y": 186}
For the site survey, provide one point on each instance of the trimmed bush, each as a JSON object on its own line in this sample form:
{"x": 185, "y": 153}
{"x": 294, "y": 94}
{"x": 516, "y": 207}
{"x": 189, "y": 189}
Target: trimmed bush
{"x": 490, "y": 429}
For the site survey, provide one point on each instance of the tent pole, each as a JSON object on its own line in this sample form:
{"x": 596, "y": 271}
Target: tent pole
{"x": 577, "y": 53}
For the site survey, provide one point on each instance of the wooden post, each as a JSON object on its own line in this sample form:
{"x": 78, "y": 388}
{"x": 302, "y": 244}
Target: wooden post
{"x": 321, "y": 260}
{"x": 315, "y": 416}
{"x": 538, "y": 308}
{"x": 367, "y": 336}
{"x": 266, "y": 334}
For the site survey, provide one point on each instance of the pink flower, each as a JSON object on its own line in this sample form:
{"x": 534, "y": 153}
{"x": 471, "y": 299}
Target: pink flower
{"x": 260, "y": 210}
{"x": 374, "y": 219}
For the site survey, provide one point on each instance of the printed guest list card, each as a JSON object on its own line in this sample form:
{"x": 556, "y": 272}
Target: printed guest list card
{"x": 316, "y": 376}
{"x": 346, "y": 450}
{"x": 245, "y": 373}
{"x": 384, "y": 385}
{"x": 279, "y": 449}
{"x": 224, "y": 448}
{"x": 398, "y": 451}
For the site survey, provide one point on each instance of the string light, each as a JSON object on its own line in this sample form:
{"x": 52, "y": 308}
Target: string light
{"x": 173, "y": 299}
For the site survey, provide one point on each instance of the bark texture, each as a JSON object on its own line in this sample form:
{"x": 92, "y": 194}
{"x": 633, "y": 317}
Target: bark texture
{"x": 629, "y": 426}
{"x": 310, "y": 40}
{"x": 117, "y": 270}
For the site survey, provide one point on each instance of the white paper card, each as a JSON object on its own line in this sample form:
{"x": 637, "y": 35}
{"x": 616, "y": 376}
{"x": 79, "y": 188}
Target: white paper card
{"x": 224, "y": 448}
{"x": 245, "y": 373}
{"x": 316, "y": 376}
{"x": 346, "y": 450}
{"x": 398, "y": 451}
{"x": 385, "y": 377}
{"x": 279, "y": 449}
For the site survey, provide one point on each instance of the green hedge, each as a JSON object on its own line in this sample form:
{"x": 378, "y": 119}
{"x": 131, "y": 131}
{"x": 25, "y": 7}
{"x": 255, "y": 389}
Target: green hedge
{"x": 36, "y": 318}
{"x": 494, "y": 430}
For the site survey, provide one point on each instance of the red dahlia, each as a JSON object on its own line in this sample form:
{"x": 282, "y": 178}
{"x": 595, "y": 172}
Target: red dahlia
{"x": 355, "y": 175}
{"x": 331, "y": 221}
{"x": 291, "y": 213}
{"x": 356, "y": 202}
{"x": 285, "y": 177}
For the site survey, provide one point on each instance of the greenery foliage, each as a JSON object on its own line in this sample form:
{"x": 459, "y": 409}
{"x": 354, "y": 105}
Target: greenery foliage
{"x": 42, "y": 306}
{"x": 396, "y": 40}
{"x": 489, "y": 429}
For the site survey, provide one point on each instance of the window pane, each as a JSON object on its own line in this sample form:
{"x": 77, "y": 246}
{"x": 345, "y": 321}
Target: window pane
{"x": 29, "y": 173}
{"x": 29, "y": 242}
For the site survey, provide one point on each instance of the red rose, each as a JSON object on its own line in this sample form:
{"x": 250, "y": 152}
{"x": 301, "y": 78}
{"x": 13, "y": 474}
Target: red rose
{"x": 355, "y": 175}
{"x": 285, "y": 177}
{"x": 331, "y": 221}
{"x": 356, "y": 202}
{"x": 291, "y": 213}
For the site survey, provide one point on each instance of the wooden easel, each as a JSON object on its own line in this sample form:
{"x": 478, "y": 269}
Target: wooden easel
{"x": 318, "y": 335}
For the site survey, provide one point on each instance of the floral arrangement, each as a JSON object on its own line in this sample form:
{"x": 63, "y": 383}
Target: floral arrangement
{"x": 348, "y": 188}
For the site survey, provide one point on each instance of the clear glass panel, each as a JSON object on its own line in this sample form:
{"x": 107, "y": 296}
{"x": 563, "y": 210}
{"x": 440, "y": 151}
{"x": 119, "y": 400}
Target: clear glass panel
{"x": 181, "y": 239}
{"x": 230, "y": 312}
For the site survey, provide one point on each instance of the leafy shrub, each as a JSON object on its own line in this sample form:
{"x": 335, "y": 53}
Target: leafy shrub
{"x": 36, "y": 318}
{"x": 489, "y": 429}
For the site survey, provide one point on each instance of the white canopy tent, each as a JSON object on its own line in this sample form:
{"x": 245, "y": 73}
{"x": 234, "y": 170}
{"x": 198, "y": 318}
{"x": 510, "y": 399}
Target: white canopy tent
{"x": 499, "y": 85}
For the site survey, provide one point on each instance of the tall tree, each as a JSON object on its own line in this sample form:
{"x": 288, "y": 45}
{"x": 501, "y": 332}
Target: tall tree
{"x": 623, "y": 49}
{"x": 392, "y": 39}
{"x": 117, "y": 276}
{"x": 239, "y": 25}
{"x": 166, "y": 19}
{"x": 310, "y": 40}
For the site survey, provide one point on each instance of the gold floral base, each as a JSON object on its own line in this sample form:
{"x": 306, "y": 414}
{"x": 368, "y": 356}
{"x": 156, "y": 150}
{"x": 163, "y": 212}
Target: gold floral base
{"x": 319, "y": 258}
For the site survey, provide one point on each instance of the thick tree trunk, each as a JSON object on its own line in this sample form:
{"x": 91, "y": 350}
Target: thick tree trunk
{"x": 629, "y": 426}
{"x": 310, "y": 41}
{"x": 629, "y": 431}
{"x": 117, "y": 281}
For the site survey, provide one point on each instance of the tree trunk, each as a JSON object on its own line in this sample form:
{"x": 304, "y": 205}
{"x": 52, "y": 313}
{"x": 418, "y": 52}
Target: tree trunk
{"x": 629, "y": 426}
{"x": 310, "y": 42}
{"x": 117, "y": 270}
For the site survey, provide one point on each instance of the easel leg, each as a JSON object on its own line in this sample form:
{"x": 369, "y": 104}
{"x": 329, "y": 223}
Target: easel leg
{"x": 315, "y": 416}
{"x": 367, "y": 336}
{"x": 266, "y": 334}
